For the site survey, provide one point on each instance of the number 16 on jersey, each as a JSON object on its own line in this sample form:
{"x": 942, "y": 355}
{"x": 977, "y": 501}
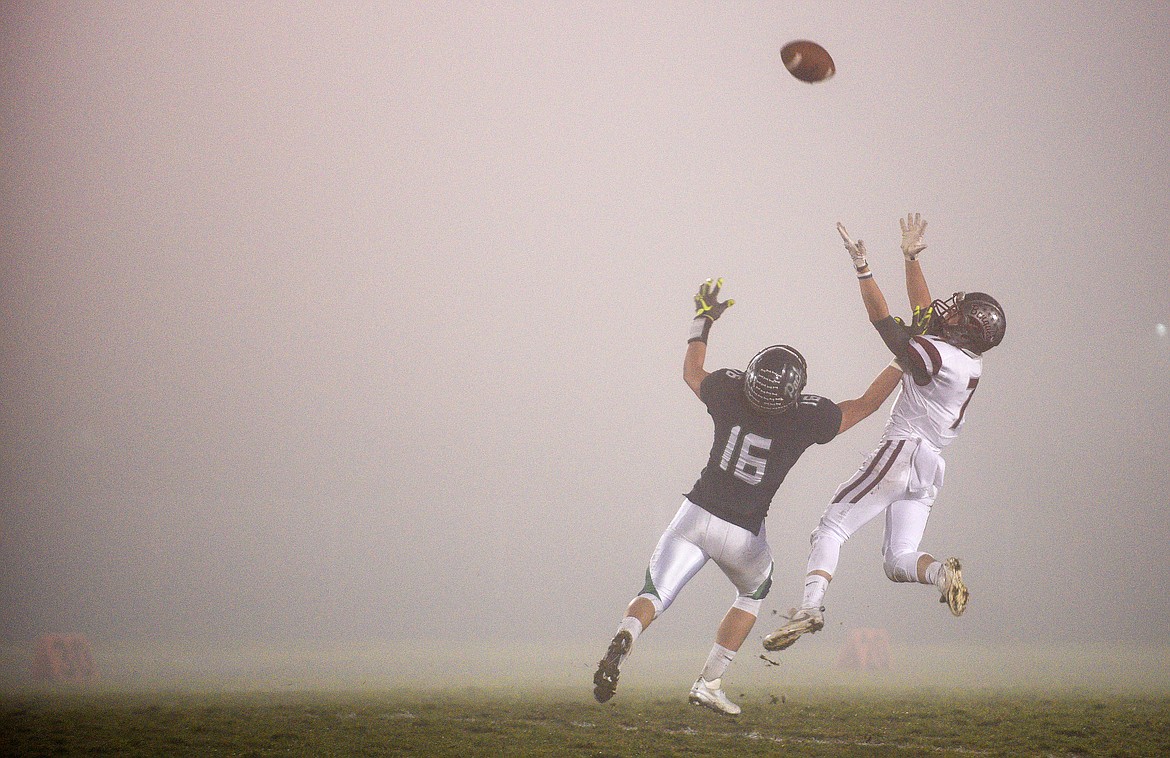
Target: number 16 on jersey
{"x": 748, "y": 466}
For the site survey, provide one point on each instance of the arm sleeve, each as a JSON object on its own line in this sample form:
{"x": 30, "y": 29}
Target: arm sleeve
{"x": 709, "y": 390}
{"x": 827, "y": 420}
{"x": 898, "y": 339}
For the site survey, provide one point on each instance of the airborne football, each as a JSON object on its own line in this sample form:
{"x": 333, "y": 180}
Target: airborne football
{"x": 807, "y": 61}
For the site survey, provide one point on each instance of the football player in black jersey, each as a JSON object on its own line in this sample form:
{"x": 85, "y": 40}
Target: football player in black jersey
{"x": 763, "y": 423}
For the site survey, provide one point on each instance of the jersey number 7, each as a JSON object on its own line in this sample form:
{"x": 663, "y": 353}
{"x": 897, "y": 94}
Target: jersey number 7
{"x": 971, "y": 385}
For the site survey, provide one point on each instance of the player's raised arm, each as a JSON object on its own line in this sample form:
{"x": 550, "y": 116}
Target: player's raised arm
{"x": 707, "y": 310}
{"x": 894, "y": 334}
{"x": 871, "y": 294}
{"x": 879, "y": 389}
{"x": 913, "y": 227}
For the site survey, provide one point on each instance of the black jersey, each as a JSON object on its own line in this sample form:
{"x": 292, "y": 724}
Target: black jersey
{"x": 752, "y": 453}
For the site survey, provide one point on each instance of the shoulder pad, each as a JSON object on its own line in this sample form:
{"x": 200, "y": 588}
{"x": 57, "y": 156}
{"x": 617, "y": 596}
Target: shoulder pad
{"x": 925, "y": 352}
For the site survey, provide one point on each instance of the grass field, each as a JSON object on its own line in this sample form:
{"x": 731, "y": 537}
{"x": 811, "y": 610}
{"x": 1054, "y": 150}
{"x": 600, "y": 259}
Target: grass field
{"x": 641, "y": 723}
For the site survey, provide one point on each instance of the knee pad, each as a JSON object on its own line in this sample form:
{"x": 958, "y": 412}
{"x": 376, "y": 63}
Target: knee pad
{"x": 901, "y": 568}
{"x": 827, "y": 530}
{"x": 656, "y": 601}
{"x": 748, "y": 605}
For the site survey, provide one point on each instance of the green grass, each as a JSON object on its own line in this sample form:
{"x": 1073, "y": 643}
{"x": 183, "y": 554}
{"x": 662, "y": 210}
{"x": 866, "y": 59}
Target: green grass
{"x": 464, "y": 722}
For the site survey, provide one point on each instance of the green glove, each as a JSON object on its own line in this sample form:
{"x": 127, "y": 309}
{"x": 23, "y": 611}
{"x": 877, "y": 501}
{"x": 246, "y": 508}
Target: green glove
{"x": 707, "y": 309}
{"x": 920, "y": 322}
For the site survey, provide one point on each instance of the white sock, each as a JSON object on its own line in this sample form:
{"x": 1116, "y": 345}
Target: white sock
{"x": 936, "y": 576}
{"x": 717, "y": 663}
{"x": 632, "y": 625}
{"x": 815, "y": 587}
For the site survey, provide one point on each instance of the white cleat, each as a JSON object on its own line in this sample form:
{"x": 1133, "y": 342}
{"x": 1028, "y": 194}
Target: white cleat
{"x": 954, "y": 591}
{"x": 711, "y": 695}
{"x": 800, "y": 621}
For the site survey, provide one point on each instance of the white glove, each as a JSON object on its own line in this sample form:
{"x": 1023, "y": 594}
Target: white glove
{"x": 856, "y": 249}
{"x": 912, "y": 229}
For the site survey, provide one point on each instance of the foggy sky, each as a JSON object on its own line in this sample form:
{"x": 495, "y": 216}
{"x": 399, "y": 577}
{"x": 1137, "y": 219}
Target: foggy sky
{"x": 368, "y": 321}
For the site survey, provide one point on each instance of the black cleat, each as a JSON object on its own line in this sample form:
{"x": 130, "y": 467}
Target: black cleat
{"x": 606, "y": 678}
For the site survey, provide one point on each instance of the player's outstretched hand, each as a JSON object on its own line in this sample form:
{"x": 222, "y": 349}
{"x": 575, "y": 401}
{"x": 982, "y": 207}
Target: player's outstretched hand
{"x": 707, "y": 303}
{"x": 856, "y": 249}
{"x": 913, "y": 227}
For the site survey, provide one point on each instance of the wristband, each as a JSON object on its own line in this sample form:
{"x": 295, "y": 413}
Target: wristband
{"x": 700, "y": 328}
{"x": 866, "y": 275}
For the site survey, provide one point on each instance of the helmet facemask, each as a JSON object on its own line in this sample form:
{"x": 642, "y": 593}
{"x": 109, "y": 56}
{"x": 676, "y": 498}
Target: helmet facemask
{"x": 774, "y": 380}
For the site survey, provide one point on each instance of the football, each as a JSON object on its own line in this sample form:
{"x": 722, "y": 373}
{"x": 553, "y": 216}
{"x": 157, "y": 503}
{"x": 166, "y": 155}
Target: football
{"x": 807, "y": 61}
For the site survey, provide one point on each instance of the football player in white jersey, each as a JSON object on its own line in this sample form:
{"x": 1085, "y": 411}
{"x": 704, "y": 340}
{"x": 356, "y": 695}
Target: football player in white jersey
{"x": 763, "y": 424}
{"x": 941, "y": 357}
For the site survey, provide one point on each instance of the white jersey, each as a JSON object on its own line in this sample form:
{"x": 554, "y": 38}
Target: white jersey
{"x": 934, "y": 411}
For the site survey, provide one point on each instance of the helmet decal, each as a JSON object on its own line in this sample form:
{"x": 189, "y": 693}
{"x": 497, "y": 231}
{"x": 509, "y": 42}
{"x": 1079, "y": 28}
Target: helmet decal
{"x": 971, "y": 320}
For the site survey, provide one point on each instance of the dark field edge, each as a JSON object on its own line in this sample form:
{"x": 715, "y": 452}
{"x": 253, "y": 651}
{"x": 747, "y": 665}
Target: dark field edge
{"x": 465, "y": 721}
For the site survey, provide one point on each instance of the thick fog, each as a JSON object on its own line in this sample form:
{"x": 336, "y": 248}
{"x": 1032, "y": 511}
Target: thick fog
{"x": 329, "y": 323}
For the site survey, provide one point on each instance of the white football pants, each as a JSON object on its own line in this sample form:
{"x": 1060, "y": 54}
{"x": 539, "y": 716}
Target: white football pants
{"x": 902, "y": 478}
{"x": 693, "y": 537}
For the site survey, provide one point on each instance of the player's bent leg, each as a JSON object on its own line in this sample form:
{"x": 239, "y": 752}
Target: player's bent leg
{"x": 642, "y": 610}
{"x": 674, "y": 562}
{"x": 838, "y": 523}
{"x": 904, "y": 567}
{"x": 905, "y": 524}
